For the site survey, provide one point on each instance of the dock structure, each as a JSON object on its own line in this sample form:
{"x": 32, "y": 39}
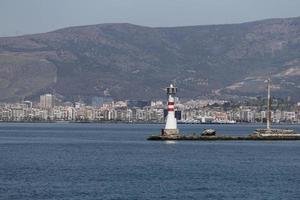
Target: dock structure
{"x": 171, "y": 132}
{"x": 223, "y": 138}
{"x": 270, "y": 132}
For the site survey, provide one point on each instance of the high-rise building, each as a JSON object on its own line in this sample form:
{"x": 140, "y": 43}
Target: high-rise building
{"x": 47, "y": 101}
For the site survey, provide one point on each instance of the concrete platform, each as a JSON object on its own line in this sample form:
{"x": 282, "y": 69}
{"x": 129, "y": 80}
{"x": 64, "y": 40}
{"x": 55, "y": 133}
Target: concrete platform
{"x": 221, "y": 138}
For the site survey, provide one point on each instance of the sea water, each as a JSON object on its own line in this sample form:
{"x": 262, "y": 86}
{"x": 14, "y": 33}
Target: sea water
{"x": 115, "y": 161}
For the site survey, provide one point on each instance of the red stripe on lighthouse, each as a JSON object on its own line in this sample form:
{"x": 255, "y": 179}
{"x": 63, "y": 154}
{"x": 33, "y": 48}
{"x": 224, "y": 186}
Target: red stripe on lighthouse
{"x": 170, "y": 106}
{"x": 170, "y": 109}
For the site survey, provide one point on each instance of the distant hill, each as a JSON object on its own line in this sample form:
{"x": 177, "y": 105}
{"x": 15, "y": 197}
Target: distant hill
{"x": 135, "y": 62}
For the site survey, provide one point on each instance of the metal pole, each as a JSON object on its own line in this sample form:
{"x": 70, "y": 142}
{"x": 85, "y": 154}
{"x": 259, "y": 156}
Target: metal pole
{"x": 269, "y": 105}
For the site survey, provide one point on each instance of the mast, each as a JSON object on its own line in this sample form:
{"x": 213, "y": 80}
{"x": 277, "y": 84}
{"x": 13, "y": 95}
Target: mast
{"x": 269, "y": 105}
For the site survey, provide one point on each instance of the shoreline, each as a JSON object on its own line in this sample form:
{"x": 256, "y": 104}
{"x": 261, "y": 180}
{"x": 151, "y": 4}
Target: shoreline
{"x": 124, "y": 122}
{"x": 77, "y": 122}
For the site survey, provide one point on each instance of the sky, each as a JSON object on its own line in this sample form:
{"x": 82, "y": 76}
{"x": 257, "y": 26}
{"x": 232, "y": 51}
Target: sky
{"x": 18, "y": 17}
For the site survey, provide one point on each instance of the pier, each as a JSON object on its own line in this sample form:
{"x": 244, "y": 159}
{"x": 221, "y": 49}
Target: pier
{"x": 170, "y": 132}
{"x": 221, "y": 138}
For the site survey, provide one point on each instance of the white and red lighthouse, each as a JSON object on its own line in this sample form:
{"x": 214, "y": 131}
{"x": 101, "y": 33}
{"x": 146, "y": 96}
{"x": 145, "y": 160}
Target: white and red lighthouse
{"x": 171, "y": 122}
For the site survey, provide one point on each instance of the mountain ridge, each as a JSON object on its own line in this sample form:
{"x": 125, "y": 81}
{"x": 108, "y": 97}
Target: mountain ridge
{"x": 117, "y": 58}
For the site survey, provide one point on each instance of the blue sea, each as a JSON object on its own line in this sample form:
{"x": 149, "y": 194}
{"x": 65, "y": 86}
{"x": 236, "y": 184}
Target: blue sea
{"x": 115, "y": 161}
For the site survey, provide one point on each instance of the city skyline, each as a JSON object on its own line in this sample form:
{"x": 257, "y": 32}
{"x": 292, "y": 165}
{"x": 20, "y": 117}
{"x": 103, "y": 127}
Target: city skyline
{"x": 189, "y": 111}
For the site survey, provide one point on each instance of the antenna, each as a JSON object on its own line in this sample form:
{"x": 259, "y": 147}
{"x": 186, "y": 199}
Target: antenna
{"x": 174, "y": 82}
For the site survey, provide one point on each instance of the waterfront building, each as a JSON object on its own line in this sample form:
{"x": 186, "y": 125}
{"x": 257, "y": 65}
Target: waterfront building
{"x": 17, "y": 113}
{"x": 289, "y": 116}
{"x": 47, "y": 101}
{"x": 246, "y": 115}
{"x": 157, "y": 104}
{"x": 140, "y": 115}
{"x": 89, "y": 113}
{"x": 70, "y": 114}
{"x": 277, "y": 116}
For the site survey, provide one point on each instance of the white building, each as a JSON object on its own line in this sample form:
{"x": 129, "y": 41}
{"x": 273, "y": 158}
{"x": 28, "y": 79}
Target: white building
{"x": 47, "y": 101}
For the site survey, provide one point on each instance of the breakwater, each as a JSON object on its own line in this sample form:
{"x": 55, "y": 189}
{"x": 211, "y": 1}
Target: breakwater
{"x": 220, "y": 138}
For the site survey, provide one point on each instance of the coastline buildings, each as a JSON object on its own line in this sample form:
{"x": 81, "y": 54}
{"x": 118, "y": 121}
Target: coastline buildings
{"x": 192, "y": 111}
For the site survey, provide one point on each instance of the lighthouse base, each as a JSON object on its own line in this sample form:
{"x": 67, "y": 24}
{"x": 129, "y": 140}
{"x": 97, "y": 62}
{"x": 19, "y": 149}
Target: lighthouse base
{"x": 169, "y": 132}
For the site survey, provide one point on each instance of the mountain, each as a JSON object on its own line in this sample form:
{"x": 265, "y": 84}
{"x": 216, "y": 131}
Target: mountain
{"x": 136, "y": 62}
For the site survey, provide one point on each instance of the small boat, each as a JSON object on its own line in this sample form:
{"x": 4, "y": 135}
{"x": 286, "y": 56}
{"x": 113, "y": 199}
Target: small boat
{"x": 209, "y": 132}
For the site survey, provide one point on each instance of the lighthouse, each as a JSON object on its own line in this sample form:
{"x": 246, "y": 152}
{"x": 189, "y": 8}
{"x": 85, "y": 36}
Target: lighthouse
{"x": 171, "y": 122}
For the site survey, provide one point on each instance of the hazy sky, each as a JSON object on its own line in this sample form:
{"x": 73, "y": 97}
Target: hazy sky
{"x": 33, "y": 16}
